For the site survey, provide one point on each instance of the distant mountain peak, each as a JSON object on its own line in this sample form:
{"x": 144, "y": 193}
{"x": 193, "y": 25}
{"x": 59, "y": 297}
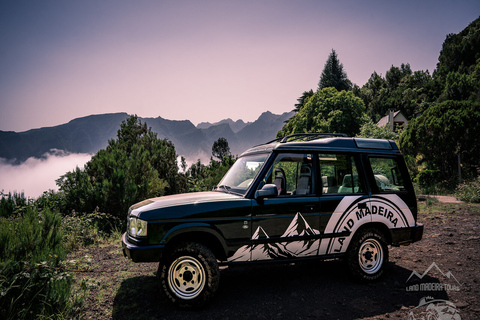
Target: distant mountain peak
{"x": 234, "y": 125}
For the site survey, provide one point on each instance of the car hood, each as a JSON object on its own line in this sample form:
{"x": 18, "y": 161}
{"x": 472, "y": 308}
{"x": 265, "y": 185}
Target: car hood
{"x": 189, "y": 204}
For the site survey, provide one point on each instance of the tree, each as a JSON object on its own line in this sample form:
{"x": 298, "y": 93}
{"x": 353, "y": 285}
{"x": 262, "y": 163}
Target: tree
{"x": 220, "y": 148}
{"x": 401, "y": 89}
{"x": 460, "y": 52}
{"x": 328, "y": 110}
{"x": 204, "y": 177}
{"x": 135, "y": 166}
{"x": 372, "y": 131}
{"x": 333, "y": 75}
{"x": 302, "y": 100}
{"x": 445, "y": 132}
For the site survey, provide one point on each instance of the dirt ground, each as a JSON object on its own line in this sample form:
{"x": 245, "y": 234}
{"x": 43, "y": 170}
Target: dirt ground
{"x": 443, "y": 267}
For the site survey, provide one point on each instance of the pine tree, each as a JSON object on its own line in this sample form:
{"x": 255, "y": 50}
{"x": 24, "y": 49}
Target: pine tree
{"x": 333, "y": 75}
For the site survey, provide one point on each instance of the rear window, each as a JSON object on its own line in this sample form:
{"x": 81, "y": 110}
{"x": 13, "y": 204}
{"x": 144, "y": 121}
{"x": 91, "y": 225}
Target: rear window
{"x": 387, "y": 174}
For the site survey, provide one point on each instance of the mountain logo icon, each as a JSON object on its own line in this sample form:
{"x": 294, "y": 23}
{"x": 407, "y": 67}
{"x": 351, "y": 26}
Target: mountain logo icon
{"x": 298, "y": 227}
{"x": 448, "y": 275}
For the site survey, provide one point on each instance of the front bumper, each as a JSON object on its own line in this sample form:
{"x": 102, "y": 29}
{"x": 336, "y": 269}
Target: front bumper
{"x": 148, "y": 253}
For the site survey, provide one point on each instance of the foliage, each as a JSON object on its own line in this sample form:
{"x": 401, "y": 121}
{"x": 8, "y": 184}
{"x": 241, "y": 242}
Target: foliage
{"x": 302, "y": 100}
{"x": 135, "y": 166}
{"x": 220, "y": 148}
{"x": 328, "y": 110}
{"x": 443, "y": 132}
{"x": 428, "y": 180}
{"x": 333, "y": 75}
{"x": 32, "y": 282}
{"x": 460, "y": 87}
{"x": 9, "y": 203}
{"x": 372, "y": 131}
{"x": 469, "y": 191}
{"x": 204, "y": 178}
{"x": 400, "y": 89}
{"x": 460, "y": 52}
{"x": 86, "y": 229}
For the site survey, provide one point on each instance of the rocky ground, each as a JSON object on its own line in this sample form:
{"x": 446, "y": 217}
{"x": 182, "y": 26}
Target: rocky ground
{"x": 447, "y": 260}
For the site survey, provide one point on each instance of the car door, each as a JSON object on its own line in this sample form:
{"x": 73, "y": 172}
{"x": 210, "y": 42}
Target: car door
{"x": 344, "y": 200}
{"x": 286, "y": 226}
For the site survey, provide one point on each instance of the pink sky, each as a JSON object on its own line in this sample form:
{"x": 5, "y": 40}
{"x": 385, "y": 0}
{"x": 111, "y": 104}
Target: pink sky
{"x": 202, "y": 60}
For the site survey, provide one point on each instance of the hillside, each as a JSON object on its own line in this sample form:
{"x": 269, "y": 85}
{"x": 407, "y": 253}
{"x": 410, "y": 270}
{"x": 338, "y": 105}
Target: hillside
{"x": 90, "y": 134}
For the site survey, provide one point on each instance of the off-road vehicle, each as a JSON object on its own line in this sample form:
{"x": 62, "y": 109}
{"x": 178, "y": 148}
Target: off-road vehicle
{"x": 305, "y": 196}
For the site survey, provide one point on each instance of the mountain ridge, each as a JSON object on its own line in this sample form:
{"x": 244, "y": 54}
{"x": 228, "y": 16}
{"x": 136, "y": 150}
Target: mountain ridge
{"x": 91, "y": 133}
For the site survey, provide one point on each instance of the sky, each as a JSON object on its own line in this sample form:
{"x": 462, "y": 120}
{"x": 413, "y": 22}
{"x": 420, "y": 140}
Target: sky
{"x": 202, "y": 60}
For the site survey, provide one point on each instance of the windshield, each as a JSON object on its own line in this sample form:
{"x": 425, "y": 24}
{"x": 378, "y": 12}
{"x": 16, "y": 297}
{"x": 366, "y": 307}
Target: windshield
{"x": 241, "y": 174}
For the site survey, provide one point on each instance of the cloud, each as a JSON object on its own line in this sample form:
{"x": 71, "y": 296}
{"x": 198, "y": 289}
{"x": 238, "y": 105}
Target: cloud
{"x": 34, "y": 176}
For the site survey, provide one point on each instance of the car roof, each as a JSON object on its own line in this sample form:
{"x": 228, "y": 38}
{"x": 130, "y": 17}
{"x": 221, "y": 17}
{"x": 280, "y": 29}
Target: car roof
{"x": 326, "y": 142}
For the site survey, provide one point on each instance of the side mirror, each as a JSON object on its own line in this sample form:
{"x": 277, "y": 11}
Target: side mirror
{"x": 268, "y": 190}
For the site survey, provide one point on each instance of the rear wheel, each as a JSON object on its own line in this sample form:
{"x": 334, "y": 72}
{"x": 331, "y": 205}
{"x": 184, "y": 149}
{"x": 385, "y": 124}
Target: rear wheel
{"x": 189, "y": 275}
{"x": 367, "y": 255}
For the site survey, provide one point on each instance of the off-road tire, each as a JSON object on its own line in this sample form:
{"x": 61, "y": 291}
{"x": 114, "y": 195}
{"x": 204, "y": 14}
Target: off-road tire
{"x": 189, "y": 275}
{"x": 367, "y": 255}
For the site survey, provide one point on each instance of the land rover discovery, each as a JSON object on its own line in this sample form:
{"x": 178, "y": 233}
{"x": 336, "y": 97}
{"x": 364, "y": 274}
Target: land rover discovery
{"x": 304, "y": 196}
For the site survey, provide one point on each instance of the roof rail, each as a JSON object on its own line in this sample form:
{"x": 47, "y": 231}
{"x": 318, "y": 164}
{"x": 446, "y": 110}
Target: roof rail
{"x": 306, "y": 137}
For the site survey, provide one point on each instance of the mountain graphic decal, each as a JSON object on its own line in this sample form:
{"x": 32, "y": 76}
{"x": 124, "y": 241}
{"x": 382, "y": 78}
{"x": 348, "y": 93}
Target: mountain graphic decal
{"x": 299, "y": 227}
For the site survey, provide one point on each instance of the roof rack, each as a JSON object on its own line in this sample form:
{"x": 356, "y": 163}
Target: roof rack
{"x": 306, "y": 137}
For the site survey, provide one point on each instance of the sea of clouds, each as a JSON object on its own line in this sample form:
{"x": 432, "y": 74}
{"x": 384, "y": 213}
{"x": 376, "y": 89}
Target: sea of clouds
{"x": 36, "y": 175}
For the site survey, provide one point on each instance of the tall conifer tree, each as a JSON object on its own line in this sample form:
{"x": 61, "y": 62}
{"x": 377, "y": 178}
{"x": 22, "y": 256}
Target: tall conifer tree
{"x": 333, "y": 75}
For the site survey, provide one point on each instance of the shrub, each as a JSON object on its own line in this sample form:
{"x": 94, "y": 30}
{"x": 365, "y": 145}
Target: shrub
{"x": 33, "y": 283}
{"x": 11, "y": 202}
{"x": 469, "y": 191}
{"x": 428, "y": 180}
{"x": 87, "y": 228}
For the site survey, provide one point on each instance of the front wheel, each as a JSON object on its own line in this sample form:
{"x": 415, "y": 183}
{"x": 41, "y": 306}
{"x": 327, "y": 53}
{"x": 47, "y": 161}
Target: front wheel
{"x": 189, "y": 275}
{"x": 367, "y": 255}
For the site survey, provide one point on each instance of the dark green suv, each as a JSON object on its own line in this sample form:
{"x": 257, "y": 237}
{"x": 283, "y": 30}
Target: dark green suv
{"x": 301, "y": 197}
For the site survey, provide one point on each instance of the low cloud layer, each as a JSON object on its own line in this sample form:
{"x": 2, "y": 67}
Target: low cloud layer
{"x": 35, "y": 176}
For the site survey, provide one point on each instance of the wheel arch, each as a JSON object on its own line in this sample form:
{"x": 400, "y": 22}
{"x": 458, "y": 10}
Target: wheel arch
{"x": 382, "y": 228}
{"x": 202, "y": 234}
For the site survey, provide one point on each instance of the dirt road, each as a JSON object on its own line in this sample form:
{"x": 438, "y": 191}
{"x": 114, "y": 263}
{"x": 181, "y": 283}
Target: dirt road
{"x": 444, "y": 266}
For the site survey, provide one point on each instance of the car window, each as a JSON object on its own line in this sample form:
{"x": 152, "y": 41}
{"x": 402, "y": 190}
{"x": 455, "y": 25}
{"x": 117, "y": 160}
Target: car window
{"x": 339, "y": 174}
{"x": 292, "y": 174}
{"x": 387, "y": 174}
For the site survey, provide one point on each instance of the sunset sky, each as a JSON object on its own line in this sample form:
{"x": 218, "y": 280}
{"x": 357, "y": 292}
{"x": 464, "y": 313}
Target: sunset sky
{"x": 202, "y": 60}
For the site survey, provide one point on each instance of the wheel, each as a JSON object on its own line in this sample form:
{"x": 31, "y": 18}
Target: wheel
{"x": 367, "y": 255}
{"x": 189, "y": 275}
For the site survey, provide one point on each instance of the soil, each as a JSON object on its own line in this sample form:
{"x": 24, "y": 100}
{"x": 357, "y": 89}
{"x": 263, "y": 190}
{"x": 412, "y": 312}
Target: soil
{"x": 444, "y": 265}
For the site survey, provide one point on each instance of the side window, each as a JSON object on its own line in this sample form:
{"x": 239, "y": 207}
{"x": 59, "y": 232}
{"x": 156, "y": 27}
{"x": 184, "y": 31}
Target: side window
{"x": 339, "y": 174}
{"x": 387, "y": 174}
{"x": 292, "y": 174}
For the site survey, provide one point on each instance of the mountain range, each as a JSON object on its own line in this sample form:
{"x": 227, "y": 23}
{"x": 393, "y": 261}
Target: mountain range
{"x": 90, "y": 134}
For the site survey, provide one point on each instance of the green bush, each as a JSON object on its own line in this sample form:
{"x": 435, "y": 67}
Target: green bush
{"x": 88, "y": 228}
{"x": 469, "y": 191}
{"x": 429, "y": 180}
{"x": 33, "y": 283}
{"x": 11, "y": 202}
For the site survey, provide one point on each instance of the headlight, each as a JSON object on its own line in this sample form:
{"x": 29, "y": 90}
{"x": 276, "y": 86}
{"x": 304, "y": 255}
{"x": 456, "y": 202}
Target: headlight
{"x": 137, "y": 227}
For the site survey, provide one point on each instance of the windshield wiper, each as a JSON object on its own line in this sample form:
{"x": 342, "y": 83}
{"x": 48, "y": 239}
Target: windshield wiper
{"x": 224, "y": 187}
